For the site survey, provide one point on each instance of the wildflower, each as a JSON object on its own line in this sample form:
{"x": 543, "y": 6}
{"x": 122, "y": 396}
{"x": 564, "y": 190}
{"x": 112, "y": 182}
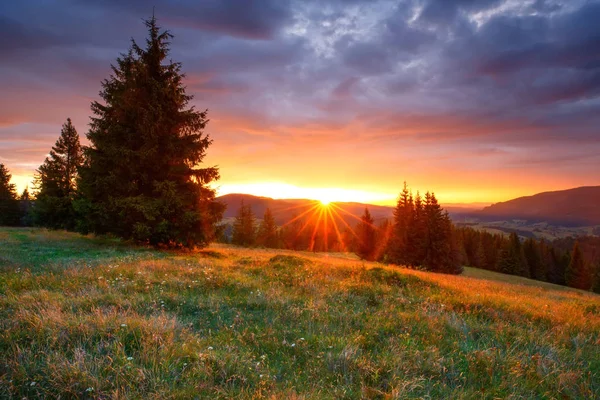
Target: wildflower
{"x": 210, "y": 347}
{"x": 129, "y": 358}
{"x": 32, "y": 384}
{"x": 123, "y": 325}
{"x": 293, "y": 344}
{"x": 90, "y": 389}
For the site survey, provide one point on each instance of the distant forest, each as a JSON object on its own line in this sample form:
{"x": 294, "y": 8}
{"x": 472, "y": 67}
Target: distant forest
{"x": 139, "y": 180}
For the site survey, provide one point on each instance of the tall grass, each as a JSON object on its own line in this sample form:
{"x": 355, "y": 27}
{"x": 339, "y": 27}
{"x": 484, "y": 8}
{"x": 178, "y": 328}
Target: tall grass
{"x": 88, "y": 318}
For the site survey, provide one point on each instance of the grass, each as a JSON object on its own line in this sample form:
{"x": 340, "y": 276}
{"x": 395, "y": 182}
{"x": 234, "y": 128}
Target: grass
{"x": 94, "y": 318}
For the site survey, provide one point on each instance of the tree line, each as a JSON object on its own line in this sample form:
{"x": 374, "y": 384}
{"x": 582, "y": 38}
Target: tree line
{"x": 421, "y": 235}
{"x": 139, "y": 178}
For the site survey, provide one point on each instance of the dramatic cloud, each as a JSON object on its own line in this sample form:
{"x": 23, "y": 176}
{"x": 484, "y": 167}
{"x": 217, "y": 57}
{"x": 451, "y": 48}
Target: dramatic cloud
{"x": 359, "y": 94}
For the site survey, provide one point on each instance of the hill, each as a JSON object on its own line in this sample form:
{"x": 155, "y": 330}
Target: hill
{"x": 286, "y": 209}
{"x": 82, "y": 317}
{"x": 572, "y": 207}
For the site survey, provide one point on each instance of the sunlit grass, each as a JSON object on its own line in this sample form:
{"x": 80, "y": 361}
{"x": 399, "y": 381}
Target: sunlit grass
{"x": 82, "y": 317}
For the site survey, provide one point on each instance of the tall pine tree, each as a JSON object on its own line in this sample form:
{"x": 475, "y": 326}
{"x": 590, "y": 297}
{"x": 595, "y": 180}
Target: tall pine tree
{"x": 398, "y": 250}
{"x": 578, "y": 275}
{"x": 244, "y": 226}
{"x": 141, "y": 180}
{"x": 267, "y": 231}
{"x": 366, "y": 236}
{"x": 55, "y": 181}
{"x": 9, "y": 205}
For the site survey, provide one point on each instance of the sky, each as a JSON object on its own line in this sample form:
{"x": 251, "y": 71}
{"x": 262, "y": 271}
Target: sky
{"x": 341, "y": 100}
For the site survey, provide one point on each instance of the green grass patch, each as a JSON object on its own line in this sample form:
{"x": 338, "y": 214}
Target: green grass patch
{"x": 85, "y": 317}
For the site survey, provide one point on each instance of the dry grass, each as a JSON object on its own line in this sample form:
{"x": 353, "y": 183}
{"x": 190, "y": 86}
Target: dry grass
{"x": 88, "y": 318}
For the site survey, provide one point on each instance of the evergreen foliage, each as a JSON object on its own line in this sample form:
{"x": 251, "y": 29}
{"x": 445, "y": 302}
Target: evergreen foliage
{"x": 423, "y": 235}
{"x": 366, "y": 237}
{"x": 577, "y": 274}
{"x": 511, "y": 259}
{"x": 26, "y": 208}
{"x": 267, "y": 231}
{"x": 56, "y": 181}
{"x": 244, "y": 227}
{"x": 141, "y": 178}
{"x": 9, "y": 205}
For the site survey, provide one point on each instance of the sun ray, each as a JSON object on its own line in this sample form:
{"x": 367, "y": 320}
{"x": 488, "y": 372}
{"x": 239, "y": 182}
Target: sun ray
{"x": 316, "y": 203}
{"x": 314, "y": 233}
{"x": 352, "y": 215}
{"x": 337, "y": 230}
{"x": 314, "y": 207}
{"x": 345, "y": 223}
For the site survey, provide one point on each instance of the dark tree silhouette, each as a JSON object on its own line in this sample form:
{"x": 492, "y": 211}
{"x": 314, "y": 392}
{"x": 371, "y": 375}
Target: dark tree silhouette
{"x": 9, "y": 205}
{"x": 366, "y": 233}
{"x": 244, "y": 227}
{"x": 267, "y": 231}
{"x": 578, "y": 274}
{"x": 55, "y": 181}
{"x": 141, "y": 179}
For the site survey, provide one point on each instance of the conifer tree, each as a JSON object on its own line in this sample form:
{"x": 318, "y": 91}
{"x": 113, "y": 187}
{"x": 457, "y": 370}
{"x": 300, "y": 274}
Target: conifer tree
{"x": 56, "y": 181}
{"x": 402, "y": 216}
{"x": 244, "y": 227}
{"x": 439, "y": 248}
{"x": 596, "y": 277}
{"x": 25, "y": 203}
{"x": 9, "y": 205}
{"x": 511, "y": 259}
{"x": 577, "y": 274}
{"x": 142, "y": 179}
{"x": 366, "y": 236}
{"x": 267, "y": 231}
{"x": 533, "y": 258}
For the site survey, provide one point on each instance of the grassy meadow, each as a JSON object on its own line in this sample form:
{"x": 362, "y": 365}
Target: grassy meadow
{"x": 82, "y": 317}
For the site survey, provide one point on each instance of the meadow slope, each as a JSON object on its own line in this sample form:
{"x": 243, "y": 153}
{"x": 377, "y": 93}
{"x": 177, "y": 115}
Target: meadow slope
{"x": 93, "y": 318}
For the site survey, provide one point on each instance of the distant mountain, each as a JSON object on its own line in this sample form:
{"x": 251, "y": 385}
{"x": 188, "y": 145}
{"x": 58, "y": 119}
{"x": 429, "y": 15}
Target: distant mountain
{"x": 572, "y": 207}
{"x": 285, "y": 210}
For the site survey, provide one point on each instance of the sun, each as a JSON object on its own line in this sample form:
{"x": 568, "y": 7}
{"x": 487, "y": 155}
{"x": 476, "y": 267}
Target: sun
{"x": 325, "y": 202}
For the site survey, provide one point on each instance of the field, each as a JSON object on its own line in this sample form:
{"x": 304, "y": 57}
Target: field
{"x": 94, "y": 318}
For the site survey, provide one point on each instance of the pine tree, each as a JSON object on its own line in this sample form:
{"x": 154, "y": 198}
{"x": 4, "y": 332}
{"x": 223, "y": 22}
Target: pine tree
{"x": 440, "y": 249}
{"x": 577, "y": 274}
{"x": 596, "y": 277}
{"x": 25, "y": 204}
{"x": 397, "y": 252}
{"x": 56, "y": 181}
{"x": 366, "y": 237}
{"x": 244, "y": 227}
{"x": 533, "y": 258}
{"x": 141, "y": 180}
{"x": 267, "y": 231}
{"x": 511, "y": 259}
{"x": 9, "y": 205}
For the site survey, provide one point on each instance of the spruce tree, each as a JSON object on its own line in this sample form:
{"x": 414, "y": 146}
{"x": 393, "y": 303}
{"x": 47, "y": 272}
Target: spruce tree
{"x": 511, "y": 259}
{"x": 244, "y": 226}
{"x": 267, "y": 231}
{"x": 596, "y": 277}
{"x": 25, "y": 204}
{"x": 366, "y": 236}
{"x": 577, "y": 274}
{"x": 142, "y": 179}
{"x": 9, "y": 205}
{"x": 398, "y": 251}
{"x": 533, "y": 258}
{"x": 56, "y": 179}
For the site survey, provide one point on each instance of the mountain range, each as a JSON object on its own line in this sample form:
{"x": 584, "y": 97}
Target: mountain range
{"x": 572, "y": 207}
